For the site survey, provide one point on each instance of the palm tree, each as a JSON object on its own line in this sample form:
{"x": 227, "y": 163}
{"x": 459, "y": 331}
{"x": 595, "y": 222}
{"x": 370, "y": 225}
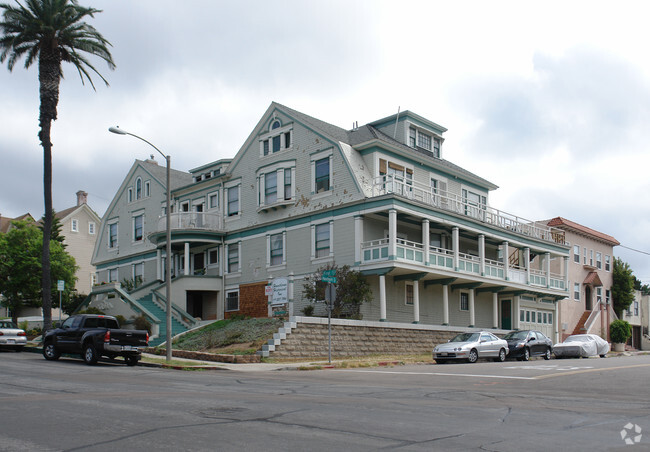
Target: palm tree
{"x": 50, "y": 32}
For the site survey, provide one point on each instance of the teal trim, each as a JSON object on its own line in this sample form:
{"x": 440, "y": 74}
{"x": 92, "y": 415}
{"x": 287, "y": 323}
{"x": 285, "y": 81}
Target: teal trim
{"x": 377, "y": 271}
{"x": 382, "y": 320}
{"x": 278, "y": 162}
{"x": 415, "y": 322}
{"x": 125, "y": 260}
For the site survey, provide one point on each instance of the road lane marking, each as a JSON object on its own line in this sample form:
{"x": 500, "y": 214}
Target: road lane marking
{"x": 440, "y": 374}
{"x": 574, "y": 372}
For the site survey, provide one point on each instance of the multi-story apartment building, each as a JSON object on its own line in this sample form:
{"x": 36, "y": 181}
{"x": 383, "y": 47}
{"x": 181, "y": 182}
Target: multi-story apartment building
{"x": 588, "y": 307}
{"x": 302, "y": 193}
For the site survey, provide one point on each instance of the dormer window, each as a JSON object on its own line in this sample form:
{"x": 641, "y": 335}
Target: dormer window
{"x": 277, "y": 139}
{"x": 424, "y": 140}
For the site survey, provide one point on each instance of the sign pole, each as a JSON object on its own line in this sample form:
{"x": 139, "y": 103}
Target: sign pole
{"x": 60, "y": 286}
{"x": 329, "y": 323}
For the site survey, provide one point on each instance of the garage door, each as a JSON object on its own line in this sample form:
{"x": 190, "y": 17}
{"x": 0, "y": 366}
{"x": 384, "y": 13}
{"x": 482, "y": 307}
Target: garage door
{"x": 536, "y": 319}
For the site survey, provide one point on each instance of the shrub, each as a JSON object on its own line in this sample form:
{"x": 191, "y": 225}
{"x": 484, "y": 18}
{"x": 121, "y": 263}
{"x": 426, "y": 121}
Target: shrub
{"x": 620, "y": 331}
{"x": 308, "y": 310}
{"x": 141, "y": 323}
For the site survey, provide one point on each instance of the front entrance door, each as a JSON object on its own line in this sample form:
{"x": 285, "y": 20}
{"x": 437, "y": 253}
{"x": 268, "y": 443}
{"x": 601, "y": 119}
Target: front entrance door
{"x": 588, "y": 303}
{"x": 506, "y": 314}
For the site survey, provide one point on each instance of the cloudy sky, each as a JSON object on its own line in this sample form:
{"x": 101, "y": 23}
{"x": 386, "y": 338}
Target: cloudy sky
{"x": 548, "y": 101}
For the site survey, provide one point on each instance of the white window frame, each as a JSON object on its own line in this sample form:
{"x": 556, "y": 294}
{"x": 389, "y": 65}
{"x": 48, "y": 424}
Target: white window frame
{"x": 269, "y": 257}
{"x": 236, "y": 185}
{"x": 135, "y": 215}
{"x": 314, "y": 258}
{"x": 215, "y": 195}
{"x": 577, "y": 291}
{"x": 608, "y": 263}
{"x": 138, "y": 193}
{"x": 229, "y": 292}
{"x": 599, "y": 260}
{"x": 91, "y": 228}
{"x": 117, "y": 235}
{"x": 74, "y": 225}
{"x": 329, "y": 154}
{"x": 272, "y": 133}
{"x": 576, "y": 255}
{"x": 133, "y": 270}
{"x": 147, "y": 189}
{"x": 129, "y": 195}
{"x": 227, "y": 263}
{"x": 209, "y": 262}
{"x": 113, "y": 271}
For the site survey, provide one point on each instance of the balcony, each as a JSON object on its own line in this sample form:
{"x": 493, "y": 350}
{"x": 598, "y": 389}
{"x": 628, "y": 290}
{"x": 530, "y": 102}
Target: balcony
{"x": 390, "y": 184}
{"x": 375, "y": 251}
{"x": 192, "y": 221}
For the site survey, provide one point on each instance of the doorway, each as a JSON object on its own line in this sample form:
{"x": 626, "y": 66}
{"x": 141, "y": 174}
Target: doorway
{"x": 588, "y": 302}
{"x": 506, "y": 314}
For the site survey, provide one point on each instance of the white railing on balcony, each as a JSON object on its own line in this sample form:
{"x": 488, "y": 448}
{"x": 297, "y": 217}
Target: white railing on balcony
{"x": 494, "y": 269}
{"x": 538, "y": 277}
{"x": 375, "y": 250}
{"x": 441, "y": 257}
{"x": 468, "y": 263}
{"x": 391, "y": 184}
{"x": 192, "y": 220}
{"x": 410, "y": 251}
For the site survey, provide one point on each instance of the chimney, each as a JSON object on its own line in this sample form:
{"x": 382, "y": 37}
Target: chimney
{"x": 82, "y": 197}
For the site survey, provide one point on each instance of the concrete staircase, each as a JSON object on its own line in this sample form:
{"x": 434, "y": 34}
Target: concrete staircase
{"x": 277, "y": 338}
{"x": 580, "y": 327}
{"x": 177, "y": 327}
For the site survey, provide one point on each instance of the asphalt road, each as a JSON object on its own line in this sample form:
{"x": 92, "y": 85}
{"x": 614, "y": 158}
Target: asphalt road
{"x": 563, "y": 405}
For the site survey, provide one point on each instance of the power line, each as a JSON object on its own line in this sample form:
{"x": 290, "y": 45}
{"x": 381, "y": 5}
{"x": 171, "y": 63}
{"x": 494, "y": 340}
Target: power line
{"x": 633, "y": 249}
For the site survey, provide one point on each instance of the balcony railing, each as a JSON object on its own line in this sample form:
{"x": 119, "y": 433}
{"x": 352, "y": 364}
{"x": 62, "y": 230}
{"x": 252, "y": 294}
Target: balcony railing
{"x": 192, "y": 220}
{"x": 391, "y": 184}
{"x": 413, "y": 252}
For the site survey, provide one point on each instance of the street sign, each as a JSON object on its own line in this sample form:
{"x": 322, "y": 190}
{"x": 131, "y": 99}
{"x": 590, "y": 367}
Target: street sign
{"x": 280, "y": 288}
{"x": 60, "y": 285}
{"x": 268, "y": 290}
{"x": 329, "y": 276}
{"x": 330, "y": 293}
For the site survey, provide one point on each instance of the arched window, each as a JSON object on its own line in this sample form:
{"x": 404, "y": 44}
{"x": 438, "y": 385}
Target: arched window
{"x": 275, "y": 125}
{"x": 138, "y": 188}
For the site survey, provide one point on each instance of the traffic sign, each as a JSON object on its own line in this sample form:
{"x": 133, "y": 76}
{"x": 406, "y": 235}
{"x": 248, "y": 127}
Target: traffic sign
{"x": 60, "y": 285}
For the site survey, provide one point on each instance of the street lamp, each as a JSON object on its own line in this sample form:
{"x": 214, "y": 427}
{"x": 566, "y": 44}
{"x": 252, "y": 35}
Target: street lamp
{"x": 168, "y": 270}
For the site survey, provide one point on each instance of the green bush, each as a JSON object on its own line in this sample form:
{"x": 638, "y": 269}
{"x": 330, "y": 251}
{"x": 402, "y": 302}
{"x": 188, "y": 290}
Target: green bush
{"x": 308, "y": 310}
{"x": 141, "y": 323}
{"x": 620, "y": 331}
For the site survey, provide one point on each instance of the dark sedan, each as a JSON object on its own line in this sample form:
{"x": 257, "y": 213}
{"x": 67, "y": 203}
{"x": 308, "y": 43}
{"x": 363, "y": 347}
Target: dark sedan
{"x": 526, "y": 343}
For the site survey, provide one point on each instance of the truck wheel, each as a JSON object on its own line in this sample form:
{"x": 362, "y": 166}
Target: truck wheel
{"x": 90, "y": 355}
{"x": 50, "y": 352}
{"x": 131, "y": 360}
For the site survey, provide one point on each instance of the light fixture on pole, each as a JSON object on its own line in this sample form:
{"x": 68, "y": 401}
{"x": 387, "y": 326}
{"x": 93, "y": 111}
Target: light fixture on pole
{"x": 168, "y": 249}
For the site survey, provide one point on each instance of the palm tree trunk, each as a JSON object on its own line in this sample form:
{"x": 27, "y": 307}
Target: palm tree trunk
{"x": 49, "y": 76}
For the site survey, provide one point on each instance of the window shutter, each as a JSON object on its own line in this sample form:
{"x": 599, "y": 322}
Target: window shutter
{"x": 382, "y": 166}
{"x": 395, "y": 166}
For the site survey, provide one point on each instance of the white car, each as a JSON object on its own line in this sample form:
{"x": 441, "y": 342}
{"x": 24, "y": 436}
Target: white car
{"x": 11, "y": 337}
{"x": 470, "y": 347}
{"x": 581, "y": 345}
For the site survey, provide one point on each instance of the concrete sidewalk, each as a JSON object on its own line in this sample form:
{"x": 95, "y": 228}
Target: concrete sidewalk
{"x": 191, "y": 364}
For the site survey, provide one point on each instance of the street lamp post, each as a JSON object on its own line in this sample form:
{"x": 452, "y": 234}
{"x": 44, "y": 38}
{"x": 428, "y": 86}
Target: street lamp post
{"x": 168, "y": 249}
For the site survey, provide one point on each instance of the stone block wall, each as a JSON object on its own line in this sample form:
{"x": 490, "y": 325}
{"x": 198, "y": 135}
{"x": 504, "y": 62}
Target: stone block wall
{"x": 310, "y": 340}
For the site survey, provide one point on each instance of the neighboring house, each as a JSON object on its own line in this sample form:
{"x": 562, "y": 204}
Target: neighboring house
{"x": 634, "y": 315}
{"x": 588, "y": 307}
{"x": 302, "y": 193}
{"x": 5, "y": 223}
{"x": 79, "y": 226}
{"x": 644, "y": 303}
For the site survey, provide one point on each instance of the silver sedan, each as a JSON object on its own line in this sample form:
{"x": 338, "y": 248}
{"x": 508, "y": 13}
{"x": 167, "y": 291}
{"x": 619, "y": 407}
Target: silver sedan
{"x": 471, "y": 347}
{"x": 11, "y": 337}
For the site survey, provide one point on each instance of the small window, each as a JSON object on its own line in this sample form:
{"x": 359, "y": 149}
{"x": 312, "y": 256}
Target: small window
{"x": 270, "y": 188}
{"x": 112, "y": 235}
{"x": 91, "y": 228}
{"x": 138, "y": 188}
{"x": 424, "y": 141}
{"x": 232, "y": 300}
{"x": 436, "y": 147}
{"x": 276, "y": 143}
{"x": 607, "y": 263}
{"x": 138, "y": 228}
{"x": 276, "y": 244}
{"x": 599, "y": 260}
{"x": 550, "y": 318}
{"x": 322, "y": 241}
{"x": 528, "y": 316}
{"x": 138, "y": 273}
{"x": 576, "y": 291}
{"x": 322, "y": 175}
{"x": 233, "y": 258}
{"x": 539, "y": 317}
{"x": 591, "y": 257}
{"x": 147, "y": 189}
{"x": 275, "y": 125}
{"x": 185, "y": 206}
{"x": 584, "y": 254}
{"x": 233, "y": 201}
{"x": 522, "y": 315}
{"x": 112, "y": 275}
{"x": 464, "y": 301}
{"x": 576, "y": 254}
{"x": 265, "y": 147}
{"x": 213, "y": 201}
{"x": 75, "y": 225}
{"x": 129, "y": 195}
{"x": 287, "y": 184}
{"x": 409, "y": 294}
{"x": 213, "y": 257}
{"x": 544, "y": 318}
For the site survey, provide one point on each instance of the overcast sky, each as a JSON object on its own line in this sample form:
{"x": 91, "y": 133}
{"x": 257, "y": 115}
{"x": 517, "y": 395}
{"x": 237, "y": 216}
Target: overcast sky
{"x": 548, "y": 101}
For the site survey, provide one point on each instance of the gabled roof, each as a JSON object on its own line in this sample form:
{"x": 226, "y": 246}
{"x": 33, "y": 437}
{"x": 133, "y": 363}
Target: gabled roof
{"x": 572, "y": 226}
{"x": 5, "y": 223}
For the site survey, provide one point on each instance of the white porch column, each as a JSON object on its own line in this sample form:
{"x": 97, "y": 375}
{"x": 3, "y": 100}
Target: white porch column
{"x": 481, "y": 254}
{"x": 425, "y": 240}
{"x": 382, "y": 298}
{"x": 515, "y": 313}
{"x": 556, "y": 322}
{"x": 445, "y": 304}
{"x": 495, "y": 310}
{"x": 455, "y": 245}
{"x": 547, "y": 268}
{"x": 565, "y": 273}
{"x": 392, "y": 234}
{"x": 159, "y": 271}
{"x": 290, "y": 294}
{"x": 527, "y": 264}
{"x": 506, "y": 259}
{"x": 416, "y": 301}
{"x": 358, "y": 239}
{"x": 471, "y": 308}
{"x": 187, "y": 258}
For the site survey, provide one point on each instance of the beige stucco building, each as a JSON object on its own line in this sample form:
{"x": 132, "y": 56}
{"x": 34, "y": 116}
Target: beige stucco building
{"x": 588, "y": 306}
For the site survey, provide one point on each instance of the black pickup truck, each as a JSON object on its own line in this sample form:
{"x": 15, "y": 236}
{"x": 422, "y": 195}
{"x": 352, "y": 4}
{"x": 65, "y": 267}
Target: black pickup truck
{"x": 93, "y": 336}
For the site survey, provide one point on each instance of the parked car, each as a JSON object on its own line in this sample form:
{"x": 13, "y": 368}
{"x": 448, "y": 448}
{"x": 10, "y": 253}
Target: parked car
{"x": 526, "y": 343}
{"x": 11, "y": 337}
{"x": 581, "y": 345}
{"x": 93, "y": 336}
{"x": 470, "y": 347}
